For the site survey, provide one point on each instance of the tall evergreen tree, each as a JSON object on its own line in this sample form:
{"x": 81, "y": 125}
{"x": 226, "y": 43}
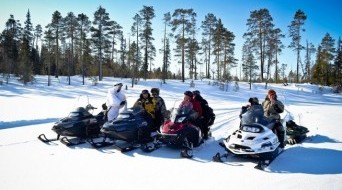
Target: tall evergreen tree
{"x": 208, "y": 25}
{"x": 249, "y": 66}
{"x": 147, "y": 14}
{"x": 47, "y": 54}
{"x": 259, "y": 27}
{"x": 295, "y": 29}
{"x": 181, "y": 24}
{"x": 116, "y": 33}
{"x": 70, "y": 27}
{"x": 55, "y": 28}
{"x": 25, "y": 58}
{"x": 327, "y": 55}
{"x": 37, "y": 34}
{"x": 166, "y": 52}
{"x": 338, "y": 63}
{"x": 135, "y": 31}
{"x": 101, "y": 36}
{"x": 84, "y": 28}
{"x": 10, "y": 42}
{"x": 310, "y": 49}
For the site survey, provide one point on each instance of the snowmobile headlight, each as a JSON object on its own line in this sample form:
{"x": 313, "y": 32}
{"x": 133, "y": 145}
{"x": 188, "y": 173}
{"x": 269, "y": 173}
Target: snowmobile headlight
{"x": 181, "y": 119}
{"x": 251, "y": 129}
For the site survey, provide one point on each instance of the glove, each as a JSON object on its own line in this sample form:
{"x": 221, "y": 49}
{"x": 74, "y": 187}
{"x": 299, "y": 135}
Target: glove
{"x": 122, "y": 103}
{"x": 104, "y": 106}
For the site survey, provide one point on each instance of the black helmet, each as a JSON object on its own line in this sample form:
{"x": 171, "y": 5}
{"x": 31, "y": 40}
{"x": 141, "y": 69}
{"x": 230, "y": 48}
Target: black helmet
{"x": 155, "y": 91}
{"x": 196, "y": 92}
{"x": 144, "y": 91}
{"x": 253, "y": 101}
{"x": 188, "y": 93}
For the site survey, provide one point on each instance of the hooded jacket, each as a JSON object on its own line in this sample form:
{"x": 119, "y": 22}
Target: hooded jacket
{"x": 114, "y": 99}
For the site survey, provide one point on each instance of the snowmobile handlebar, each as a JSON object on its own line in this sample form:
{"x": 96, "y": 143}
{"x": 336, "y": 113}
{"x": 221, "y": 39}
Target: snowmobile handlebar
{"x": 90, "y": 107}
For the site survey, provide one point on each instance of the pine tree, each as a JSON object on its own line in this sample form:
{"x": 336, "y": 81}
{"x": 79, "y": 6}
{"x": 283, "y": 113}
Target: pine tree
{"x": 166, "y": 48}
{"x": 295, "y": 30}
{"x": 25, "y": 61}
{"x": 83, "y": 30}
{"x": 208, "y": 25}
{"x": 101, "y": 36}
{"x": 55, "y": 28}
{"x": 181, "y": 24}
{"x": 147, "y": 14}
{"x": 259, "y": 27}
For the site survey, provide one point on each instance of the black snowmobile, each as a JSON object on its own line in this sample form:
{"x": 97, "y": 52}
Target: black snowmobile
{"x": 80, "y": 123}
{"x": 295, "y": 133}
{"x": 130, "y": 130}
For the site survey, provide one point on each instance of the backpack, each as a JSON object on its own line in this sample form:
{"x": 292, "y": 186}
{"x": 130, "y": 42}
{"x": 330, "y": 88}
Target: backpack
{"x": 208, "y": 114}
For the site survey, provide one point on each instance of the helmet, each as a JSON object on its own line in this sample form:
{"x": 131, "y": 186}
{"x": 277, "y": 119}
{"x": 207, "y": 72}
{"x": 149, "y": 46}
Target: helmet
{"x": 155, "y": 91}
{"x": 196, "y": 92}
{"x": 253, "y": 101}
{"x": 188, "y": 93}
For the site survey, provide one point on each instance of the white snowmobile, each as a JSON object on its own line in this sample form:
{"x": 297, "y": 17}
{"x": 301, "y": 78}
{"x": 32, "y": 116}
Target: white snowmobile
{"x": 254, "y": 138}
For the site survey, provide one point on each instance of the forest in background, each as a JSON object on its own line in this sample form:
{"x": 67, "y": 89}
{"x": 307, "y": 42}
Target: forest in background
{"x": 76, "y": 45}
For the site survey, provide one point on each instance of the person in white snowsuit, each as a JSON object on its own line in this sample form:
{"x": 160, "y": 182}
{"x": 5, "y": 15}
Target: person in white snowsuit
{"x": 116, "y": 99}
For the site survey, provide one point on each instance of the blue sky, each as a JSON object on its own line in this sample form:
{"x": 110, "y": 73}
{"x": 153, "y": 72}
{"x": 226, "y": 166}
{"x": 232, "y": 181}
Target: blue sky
{"x": 322, "y": 16}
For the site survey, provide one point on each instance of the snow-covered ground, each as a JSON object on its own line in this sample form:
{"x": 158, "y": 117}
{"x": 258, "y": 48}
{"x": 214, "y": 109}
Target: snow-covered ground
{"x": 27, "y": 163}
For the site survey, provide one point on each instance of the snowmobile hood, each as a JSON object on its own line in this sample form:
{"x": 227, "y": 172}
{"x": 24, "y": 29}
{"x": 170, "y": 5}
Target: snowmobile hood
{"x": 252, "y": 139}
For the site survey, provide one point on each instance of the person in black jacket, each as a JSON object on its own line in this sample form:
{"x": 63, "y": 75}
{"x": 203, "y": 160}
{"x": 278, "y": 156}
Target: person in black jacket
{"x": 208, "y": 115}
{"x": 160, "y": 108}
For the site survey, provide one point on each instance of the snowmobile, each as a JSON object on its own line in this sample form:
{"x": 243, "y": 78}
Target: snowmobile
{"x": 130, "y": 130}
{"x": 80, "y": 123}
{"x": 295, "y": 133}
{"x": 254, "y": 139}
{"x": 179, "y": 132}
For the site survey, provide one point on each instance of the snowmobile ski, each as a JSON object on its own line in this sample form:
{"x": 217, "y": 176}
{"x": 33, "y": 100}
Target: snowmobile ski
{"x": 150, "y": 147}
{"x": 100, "y": 144}
{"x": 69, "y": 142}
{"x": 218, "y": 157}
{"x": 44, "y": 139}
{"x": 264, "y": 163}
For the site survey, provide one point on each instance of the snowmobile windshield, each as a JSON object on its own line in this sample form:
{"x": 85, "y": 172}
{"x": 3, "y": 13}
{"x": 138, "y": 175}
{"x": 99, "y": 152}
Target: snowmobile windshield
{"x": 138, "y": 110}
{"x": 255, "y": 114}
{"x": 79, "y": 112}
{"x": 179, "y": 111}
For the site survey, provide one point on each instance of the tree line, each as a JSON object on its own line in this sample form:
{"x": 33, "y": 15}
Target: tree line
{"x": 76, "y": 45}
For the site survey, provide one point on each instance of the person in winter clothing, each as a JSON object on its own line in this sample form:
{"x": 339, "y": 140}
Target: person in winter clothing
{"x": 145, "y": 101}
{"x": 116, "y": 99}
{"x": 272, "y": 108}
{"x": 208, "y": 115}
{"x": 160, "y": 108}
{"x": 196, "y": 106}
{"x": 253, "y": 108}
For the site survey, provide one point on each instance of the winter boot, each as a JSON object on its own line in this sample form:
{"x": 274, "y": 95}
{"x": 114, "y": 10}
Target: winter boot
{"x": 281, "y": 138}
